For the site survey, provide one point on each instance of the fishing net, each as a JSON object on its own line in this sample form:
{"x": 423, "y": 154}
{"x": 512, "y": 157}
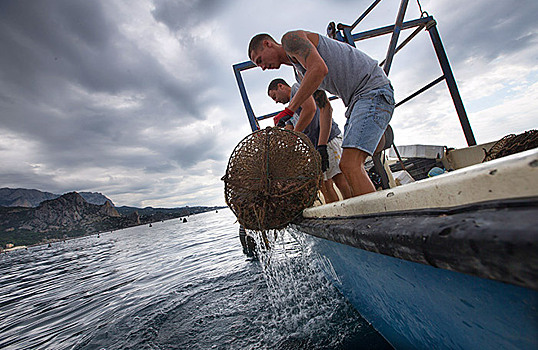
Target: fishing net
{"x": 272, "y": 175}
{"x": 511, "y": 144}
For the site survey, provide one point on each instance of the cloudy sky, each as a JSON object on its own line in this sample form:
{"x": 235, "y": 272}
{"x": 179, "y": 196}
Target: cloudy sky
{"x": 136, "y": 99}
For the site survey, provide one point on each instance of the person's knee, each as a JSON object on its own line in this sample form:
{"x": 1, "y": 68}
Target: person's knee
{"x": 352, "y": 160}
{"x": 340, "y": 180}
{"x": 345, "y": 165}
{"x": 337, "y": 179}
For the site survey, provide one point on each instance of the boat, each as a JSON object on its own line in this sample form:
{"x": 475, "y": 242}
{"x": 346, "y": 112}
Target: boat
{"x": 443, "y": 262}
{"x": 10, "y": 248}
{"x": 446, "y": 262}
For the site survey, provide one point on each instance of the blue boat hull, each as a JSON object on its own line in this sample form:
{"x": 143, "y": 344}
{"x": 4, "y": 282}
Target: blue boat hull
{"x": 416, "y": 306}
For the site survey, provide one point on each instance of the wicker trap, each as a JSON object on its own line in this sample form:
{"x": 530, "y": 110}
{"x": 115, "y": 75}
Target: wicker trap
{"x": 511, "y": 144}
{"x": 272, "y": 175}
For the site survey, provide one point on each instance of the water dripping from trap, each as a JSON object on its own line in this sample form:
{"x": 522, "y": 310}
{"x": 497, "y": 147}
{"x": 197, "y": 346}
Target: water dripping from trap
{"x": 305, "y": 311}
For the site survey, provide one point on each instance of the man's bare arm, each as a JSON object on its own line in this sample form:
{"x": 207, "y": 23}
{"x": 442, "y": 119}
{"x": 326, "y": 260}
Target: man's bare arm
{"x": 325, "y": 116}
{"x": 299, "y": 47}
{"x": 308, "y": 110}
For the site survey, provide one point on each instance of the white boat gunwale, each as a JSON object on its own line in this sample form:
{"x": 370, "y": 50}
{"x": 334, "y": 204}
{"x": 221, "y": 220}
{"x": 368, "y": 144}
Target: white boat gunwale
{"x": 490, "y": 231}
{"x": 515, "y": 176}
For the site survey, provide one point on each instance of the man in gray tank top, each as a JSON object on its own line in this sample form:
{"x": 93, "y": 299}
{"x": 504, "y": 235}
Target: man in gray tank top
{"x": 336, "y": 67}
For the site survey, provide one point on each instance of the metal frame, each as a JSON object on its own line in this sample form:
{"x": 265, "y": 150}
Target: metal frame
{"x": 343, "y": 33}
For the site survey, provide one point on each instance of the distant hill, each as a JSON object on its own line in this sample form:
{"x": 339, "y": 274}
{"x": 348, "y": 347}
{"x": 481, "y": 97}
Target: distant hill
{"x": 30, "y": 198}
{"x": 173, "y": 212}
{"x": 21, "y": 197}
{"x": 96, "y": 198}
{"x": 71, "y": 215}
{"x": 149, "y": 214}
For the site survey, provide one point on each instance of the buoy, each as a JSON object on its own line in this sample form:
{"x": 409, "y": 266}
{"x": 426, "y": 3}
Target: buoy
{"x": 435, "y": 171}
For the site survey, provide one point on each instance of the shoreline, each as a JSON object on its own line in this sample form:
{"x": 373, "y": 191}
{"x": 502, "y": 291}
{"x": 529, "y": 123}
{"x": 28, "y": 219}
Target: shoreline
{"x": 56, "y": 240}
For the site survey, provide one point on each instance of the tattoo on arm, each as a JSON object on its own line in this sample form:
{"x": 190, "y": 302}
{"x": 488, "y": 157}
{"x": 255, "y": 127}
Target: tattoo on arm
{"x": 297, "y": 45}
{"x": 321, "y": 98}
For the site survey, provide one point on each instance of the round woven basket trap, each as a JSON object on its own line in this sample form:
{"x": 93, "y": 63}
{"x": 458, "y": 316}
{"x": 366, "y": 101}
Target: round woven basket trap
{"x": 272, "y": 175}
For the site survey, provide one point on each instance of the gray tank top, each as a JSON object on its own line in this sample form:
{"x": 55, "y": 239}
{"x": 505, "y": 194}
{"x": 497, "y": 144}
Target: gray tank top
{"x": 351, "y": 71}
{"x": 312, "y": 130}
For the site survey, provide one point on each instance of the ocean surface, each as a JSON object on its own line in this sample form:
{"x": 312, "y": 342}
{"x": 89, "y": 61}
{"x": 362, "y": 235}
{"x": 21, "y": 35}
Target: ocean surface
{"x": 174, "y": 285}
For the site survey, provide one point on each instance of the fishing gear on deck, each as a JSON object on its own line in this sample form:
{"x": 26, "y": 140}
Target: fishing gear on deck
{"x": 511, "y": 144}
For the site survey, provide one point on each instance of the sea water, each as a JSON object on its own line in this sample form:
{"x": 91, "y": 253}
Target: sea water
{"x": 174, "y": 285}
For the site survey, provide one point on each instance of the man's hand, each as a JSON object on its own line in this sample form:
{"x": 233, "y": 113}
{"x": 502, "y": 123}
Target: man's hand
{"x": 322, "y": 149}
{"x": 285, "y": 113}
{"x": 282, "y": 122}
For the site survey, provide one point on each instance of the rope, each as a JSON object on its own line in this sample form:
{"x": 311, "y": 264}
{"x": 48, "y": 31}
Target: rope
{"x": 422, "y": 13}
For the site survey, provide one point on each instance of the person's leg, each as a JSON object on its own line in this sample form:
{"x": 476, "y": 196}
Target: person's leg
{"x": 342, "y": 184}
{"x": 323, "y": 190}
{"x": 364, "y": 128}
{"x": 330, "y": 193}
{"x": 352, "y": 166}
{"x": 334, "y": 149}
{"x": 327, "y": 185}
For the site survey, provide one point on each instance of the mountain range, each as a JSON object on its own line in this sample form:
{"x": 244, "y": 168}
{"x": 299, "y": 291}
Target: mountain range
{"x": 34, "y": 217}
{"x": 30, "y": 198}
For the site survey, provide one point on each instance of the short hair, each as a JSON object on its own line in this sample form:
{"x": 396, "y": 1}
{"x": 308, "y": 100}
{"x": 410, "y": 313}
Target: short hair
{"x": 273, "y": 85}
{"x": 256, "y": 42}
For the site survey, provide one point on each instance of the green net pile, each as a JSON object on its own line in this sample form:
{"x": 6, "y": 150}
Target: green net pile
{"x": 272, "y": 176}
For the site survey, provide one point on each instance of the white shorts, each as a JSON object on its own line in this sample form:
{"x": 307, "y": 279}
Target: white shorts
{"x": 334, "y": 149}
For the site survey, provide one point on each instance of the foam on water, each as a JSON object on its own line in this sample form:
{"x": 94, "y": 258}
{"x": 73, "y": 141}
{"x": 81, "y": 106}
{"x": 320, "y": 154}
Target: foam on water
{"x": 306, "y": 310}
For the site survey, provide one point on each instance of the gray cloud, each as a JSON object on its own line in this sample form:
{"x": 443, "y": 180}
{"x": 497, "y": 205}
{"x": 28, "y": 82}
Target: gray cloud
{"x": 183, "y": 15}
{"x": 488, "y": 29}
{"x": 76, "y": 45}
{"x": 138, "y": 100}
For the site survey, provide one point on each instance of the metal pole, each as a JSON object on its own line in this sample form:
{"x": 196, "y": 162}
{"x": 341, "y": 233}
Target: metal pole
{"x": 405, "y": 42}
{"x": 389, "y": 29}
{"x": 265, "y": 116}
{"x": 348, "y": 36}
{"x": 365, "y": 14}
{"x": 395, "y": 35}
{"x": 250, "y": 112}
{"x": 430, "y": 85}
{"x": 451, "y": 82}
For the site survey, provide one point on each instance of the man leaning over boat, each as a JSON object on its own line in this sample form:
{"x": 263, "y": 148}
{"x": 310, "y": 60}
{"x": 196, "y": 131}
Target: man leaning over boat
{"x": 336, "y": 67}
{"x": 304, "y": 121}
